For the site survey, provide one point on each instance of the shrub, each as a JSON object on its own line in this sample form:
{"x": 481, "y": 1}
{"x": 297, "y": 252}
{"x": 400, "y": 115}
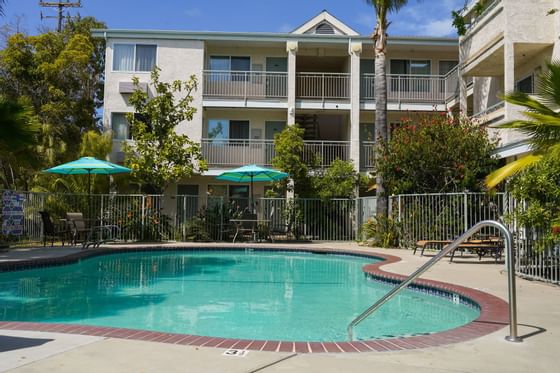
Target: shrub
{"x": 539, "y": 190}
{"x": 436, "y": 154}
{"x": 381, "y": 232}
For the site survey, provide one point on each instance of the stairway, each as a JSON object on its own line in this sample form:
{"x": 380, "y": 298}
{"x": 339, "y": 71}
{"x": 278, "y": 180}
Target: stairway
{"x": 310, "y": 124}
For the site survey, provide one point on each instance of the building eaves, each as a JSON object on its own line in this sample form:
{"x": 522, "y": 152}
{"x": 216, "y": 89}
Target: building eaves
{"x": 266, "y": 37}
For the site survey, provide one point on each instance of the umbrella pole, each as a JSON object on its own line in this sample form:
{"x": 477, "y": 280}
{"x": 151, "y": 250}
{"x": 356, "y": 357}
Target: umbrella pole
{"x": 252, "y": 200}
{"x": 89, "y": 194}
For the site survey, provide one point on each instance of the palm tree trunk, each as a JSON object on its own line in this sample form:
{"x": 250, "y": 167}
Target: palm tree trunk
{"x": 380, "y": 115}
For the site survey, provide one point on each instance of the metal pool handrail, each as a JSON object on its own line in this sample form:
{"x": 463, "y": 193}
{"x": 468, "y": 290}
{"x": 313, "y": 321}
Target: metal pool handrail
{"x": 512, "y": 337}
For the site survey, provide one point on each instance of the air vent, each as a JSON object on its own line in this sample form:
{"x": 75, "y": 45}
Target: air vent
{"x": 324, "y": 29}
{"x": 128, "y": 87}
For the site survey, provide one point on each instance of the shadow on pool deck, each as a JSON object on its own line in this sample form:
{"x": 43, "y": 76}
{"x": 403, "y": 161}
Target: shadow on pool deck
{"x": 8, "y": 343}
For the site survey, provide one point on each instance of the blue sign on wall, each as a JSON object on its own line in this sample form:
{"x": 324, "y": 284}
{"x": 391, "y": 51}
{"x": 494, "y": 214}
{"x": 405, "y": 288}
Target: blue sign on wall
{"x": 12, "y": 213}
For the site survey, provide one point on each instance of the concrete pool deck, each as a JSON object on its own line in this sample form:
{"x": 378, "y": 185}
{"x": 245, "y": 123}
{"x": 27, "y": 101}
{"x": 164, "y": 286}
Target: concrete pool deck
{"x": 538, "y": 310}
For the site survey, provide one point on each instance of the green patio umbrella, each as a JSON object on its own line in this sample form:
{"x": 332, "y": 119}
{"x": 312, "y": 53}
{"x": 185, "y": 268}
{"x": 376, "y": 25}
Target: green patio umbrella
{"x": 88, "y": 165}
{"x": 250, "y": 174}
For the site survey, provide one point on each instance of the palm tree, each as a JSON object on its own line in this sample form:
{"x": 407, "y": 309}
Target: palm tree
{"x": 379, "y": 36}
{"x": 542, "y": 123}
{"x": 18, "y": 132}
{"x": 2, "y": 2}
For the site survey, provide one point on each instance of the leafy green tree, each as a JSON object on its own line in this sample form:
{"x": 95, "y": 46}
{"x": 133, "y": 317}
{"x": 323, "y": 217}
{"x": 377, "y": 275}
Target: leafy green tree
{"x": 19, "y": 130}
{"x": 542, "y": 123}
{"x": 382, "y": 8}
{"x": 339, "y": 180}
{"x": 158, "y": 155}
{"x": 539, "y": 188}
{"x": 61, "y": 76}
{"x": 93, "y": 144}
{"x": 436, "y": 154}
{"x": 288, "y": 157}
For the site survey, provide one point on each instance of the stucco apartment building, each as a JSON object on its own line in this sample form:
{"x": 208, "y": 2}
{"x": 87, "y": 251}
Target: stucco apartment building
{"x": 320, "y": 75}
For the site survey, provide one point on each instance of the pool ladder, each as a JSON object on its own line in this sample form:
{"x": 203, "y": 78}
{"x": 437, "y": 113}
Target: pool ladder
{"x": 512, "y": 337}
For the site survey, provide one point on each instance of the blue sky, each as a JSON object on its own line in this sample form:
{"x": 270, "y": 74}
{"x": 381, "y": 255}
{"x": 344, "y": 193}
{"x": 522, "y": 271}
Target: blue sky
{"x": 420, "y": 18}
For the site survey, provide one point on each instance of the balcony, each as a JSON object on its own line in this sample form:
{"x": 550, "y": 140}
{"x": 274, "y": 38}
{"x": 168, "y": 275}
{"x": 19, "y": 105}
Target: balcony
{"x": 323, "y": 86}
{"x": 413, "y": 88}
{"x": 226, "y": 153}
{"x": 259, "y": 85}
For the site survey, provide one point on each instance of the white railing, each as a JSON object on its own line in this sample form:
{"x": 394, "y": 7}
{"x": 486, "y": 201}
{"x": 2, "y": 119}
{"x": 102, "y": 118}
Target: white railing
{"x": 323, "y": 153}
{"x": 323, "y": 86}
{"x": 413, "y": 88}
{"x": 237, "y": 152}
{"x": 478, "y": 18}
{"x": 245, "y": 84}
{"x": 492, "y": 109}
{"x": 367, "y": 155}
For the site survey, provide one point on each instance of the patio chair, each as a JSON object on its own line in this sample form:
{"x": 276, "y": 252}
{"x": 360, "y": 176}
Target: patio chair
{"x": 52, "y": 230}
{"x": 77, "y": 225}
{"x": 247, "y": 226}
{"x": 277, "y": 226}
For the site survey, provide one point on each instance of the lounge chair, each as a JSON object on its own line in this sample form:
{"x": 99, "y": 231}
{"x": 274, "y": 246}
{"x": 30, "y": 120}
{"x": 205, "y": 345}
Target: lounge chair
{"x": 493, "y": 246}
{"x": 424, "y": 244}
{"x": 52, "y": 230}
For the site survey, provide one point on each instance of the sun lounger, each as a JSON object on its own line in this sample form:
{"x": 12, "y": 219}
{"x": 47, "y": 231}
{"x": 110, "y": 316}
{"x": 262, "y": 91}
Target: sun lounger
{"x": 424, "y": 244}
{"x": 482, "y": 247}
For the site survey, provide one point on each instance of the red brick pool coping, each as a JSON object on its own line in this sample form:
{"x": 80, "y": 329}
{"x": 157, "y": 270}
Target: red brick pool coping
{"x": 493, "y": 312}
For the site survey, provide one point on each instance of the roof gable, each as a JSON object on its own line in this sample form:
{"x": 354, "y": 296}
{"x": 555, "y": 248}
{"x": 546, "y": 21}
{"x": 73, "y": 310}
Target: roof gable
{"x": 325, "y": 24}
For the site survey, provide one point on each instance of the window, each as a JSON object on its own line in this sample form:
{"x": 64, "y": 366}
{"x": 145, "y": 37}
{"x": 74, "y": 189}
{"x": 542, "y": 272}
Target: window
{"x": 187, "y": 190}
{"x": 525, "y": 85}
{"x": 410, "y": 67}
{"x": 134, "y": 57}
{"x": 223, "y": 129}
{"x": 236, "y": 68}
{"x": 446, "y": 66}
{"x": 120, "y": 127}
{"x": 239, "y": 194}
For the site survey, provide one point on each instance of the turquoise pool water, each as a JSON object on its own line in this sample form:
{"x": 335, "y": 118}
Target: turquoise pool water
{"x": 233, "y": 294}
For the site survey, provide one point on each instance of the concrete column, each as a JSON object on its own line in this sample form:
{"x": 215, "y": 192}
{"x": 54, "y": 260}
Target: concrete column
{"x": 291, "y": 48}
{"x": 463, "y": 103}
{"x": 355, "y": 50}
{"x": 509, "y": 73}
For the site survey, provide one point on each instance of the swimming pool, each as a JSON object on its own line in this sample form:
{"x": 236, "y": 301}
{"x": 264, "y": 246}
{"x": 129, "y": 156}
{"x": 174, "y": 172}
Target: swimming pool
{"x": 266, "y": 295}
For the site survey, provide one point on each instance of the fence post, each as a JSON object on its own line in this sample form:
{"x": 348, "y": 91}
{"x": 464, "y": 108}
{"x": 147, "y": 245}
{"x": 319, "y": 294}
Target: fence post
{"x": 465, "y": 211}
{"x": 143, "y": 217}
{"x": 400, "y": 208}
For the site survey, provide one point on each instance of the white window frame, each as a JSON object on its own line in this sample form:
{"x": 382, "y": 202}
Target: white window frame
{"x": 133, "y": 71}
